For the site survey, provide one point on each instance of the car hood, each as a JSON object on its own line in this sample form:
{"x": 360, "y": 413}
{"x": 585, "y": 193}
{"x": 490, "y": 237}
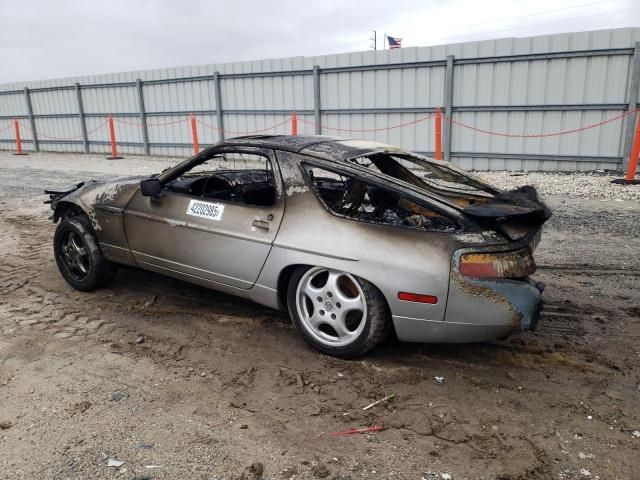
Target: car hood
{"x": 113, "y": 191}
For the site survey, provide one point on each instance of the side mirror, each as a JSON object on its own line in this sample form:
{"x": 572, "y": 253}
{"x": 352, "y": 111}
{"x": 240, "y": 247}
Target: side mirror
{"x": 150, "y": 187}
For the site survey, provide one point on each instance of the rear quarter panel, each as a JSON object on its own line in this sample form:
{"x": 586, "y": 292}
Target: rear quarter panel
{"x": 394, "y": 259}
{"x": 491, "y": 302}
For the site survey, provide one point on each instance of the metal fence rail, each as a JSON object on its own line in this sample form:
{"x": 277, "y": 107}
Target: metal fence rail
{"x": 152, "y": 113}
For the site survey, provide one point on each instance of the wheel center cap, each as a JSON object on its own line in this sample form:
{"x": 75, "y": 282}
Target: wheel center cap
{"x": 328, "y": 306}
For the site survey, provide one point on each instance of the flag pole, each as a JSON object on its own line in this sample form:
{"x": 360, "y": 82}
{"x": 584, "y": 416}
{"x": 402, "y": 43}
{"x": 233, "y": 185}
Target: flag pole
{"x": 384, "y": 41}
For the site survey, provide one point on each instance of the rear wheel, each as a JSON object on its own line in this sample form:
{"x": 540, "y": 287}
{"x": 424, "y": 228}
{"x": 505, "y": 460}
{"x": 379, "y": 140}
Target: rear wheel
{"x": 78, "y": 255}
{"x": 337, "y": 313}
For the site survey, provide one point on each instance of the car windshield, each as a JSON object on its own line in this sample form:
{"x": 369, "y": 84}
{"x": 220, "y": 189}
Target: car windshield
{"x": 424, "y": 173}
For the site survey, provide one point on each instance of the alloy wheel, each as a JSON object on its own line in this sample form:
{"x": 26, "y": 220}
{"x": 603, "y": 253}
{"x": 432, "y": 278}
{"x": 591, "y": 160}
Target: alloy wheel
{"x": 331, "y": 306}
{"x": 75, "y": 255}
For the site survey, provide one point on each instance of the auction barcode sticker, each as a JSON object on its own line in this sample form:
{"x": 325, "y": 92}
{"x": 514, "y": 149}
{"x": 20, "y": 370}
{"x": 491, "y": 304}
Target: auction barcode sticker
{"x": 212, "y": 211}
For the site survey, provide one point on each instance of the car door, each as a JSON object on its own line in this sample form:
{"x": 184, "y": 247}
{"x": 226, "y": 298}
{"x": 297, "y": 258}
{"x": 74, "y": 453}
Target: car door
{"x": 210, "y": 234}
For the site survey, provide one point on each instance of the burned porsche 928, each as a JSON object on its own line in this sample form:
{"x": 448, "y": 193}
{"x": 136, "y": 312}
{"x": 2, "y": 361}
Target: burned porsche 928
{"x": 355, "y": 239}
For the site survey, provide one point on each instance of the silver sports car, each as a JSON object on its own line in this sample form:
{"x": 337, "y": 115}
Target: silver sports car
{"x": 355, "y": 239}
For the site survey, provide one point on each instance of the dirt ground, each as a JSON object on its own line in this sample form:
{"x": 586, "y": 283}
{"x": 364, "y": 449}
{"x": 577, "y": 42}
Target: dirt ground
{"x": 223, "y": 388}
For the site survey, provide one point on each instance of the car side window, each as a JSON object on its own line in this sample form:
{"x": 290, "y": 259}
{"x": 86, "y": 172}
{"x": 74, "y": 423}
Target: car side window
{"x": 230, "y": 176}
{"x": 359, "y": 200}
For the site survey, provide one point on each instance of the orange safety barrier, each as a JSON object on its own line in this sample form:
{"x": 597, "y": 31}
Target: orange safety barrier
{"x": 369, "y": 130}
{"x": 438, "y": 153}
{"x": 543, "y": 134}
{"x": 194, "y": 133}
{"x": 244, "y": 132}
{"x": 112, "y": 138}
{"x": 18, "y": 139}
{"x": 633, "y": 156}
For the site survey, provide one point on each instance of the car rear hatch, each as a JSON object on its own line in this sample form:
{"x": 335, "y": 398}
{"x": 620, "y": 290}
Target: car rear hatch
{"x": 515, "y": 214}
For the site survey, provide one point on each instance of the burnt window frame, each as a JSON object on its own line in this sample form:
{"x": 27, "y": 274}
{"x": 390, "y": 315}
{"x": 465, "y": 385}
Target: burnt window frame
{"x": 487, "y": 190}
{"x": 306, "y": 165}
{"x": 184, "y": 167}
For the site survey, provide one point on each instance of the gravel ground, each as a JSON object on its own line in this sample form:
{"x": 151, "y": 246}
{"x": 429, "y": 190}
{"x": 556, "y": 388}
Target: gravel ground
{"x": 594, "y": 185}
{"x": 177, "y": 381}
{"x": 92, "y": 163}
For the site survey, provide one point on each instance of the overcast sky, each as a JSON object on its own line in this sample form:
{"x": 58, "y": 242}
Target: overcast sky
{"x": 52, "y": 39}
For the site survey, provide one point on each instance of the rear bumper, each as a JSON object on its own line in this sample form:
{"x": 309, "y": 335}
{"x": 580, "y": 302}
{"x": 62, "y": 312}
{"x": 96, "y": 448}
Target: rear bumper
{"x": 524, "y": 299}
{"x": 534, "y": 316}
{"x": 493, "y": 309}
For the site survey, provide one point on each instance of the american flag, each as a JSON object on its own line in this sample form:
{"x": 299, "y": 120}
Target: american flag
{"x": 394, "y": 42}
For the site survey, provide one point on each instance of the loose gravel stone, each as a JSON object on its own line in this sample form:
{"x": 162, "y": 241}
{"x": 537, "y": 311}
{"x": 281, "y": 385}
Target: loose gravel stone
{"x": 583, "y": 185}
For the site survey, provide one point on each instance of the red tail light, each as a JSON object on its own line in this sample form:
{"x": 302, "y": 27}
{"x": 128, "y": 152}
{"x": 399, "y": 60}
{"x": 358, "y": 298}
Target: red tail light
{"x": 515, "y": 264}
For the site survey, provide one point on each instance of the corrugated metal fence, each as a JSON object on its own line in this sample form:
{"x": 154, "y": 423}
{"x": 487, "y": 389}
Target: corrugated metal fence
{"x": 556, "y": 102}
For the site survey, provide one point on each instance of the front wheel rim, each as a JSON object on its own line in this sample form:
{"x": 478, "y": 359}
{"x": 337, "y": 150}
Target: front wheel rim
{"x": 74, "y": 254}
{"x": 331, "y": 306}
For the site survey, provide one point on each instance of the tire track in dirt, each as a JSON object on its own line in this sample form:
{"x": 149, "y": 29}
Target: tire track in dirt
{"x": 66, "y": 317}
{"x": 70, "y": 318}
{"x": 30, "y": 305}
{"x": 275, "y": 387}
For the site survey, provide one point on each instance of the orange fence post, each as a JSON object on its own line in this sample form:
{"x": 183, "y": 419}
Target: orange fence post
{"x": 633, "y": 156}
{"x": 194, "y": 132}
{"x": 112, "y": 137}
{"x": 294, "y": 124}
{"x": 18, "y": 139}
{"x": 438, "y": 134}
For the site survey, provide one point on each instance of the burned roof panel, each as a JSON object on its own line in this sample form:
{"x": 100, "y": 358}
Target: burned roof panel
{"x": 280, "y": 142}
{"x": 345, "y": 148}
{"x": 326, "y": 147}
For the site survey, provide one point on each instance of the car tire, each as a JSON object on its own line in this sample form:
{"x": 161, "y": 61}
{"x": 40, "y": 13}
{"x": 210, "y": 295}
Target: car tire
{"x": 78, "y": 255}
{"x": 337, "y": 313}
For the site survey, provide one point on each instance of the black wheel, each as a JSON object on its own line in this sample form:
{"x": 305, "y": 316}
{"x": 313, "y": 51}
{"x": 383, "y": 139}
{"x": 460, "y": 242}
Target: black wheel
{"x": 78, "y": 255}
{"x": 337, "y": 313}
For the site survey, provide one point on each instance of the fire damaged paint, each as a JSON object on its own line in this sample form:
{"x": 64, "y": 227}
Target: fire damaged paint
{"x": 486, "y": 237}
{"x": 103, "y": 203}
{"x": 379, "y": 224}
{"x": 505, "y": 303}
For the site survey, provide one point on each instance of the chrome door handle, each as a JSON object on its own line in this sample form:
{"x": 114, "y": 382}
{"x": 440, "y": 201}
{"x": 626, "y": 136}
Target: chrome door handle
{"x": 260, "y": 224}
